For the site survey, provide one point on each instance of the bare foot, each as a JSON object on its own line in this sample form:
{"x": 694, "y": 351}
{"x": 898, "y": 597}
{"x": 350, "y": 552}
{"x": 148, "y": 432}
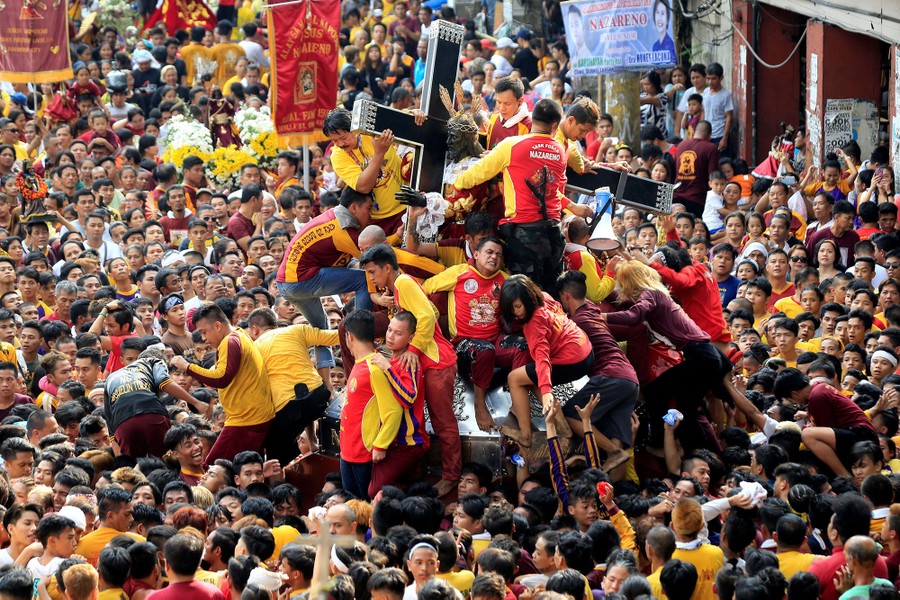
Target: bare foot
{"x": 614, "y": 459}
{"x": 445, "y": 487}
{"x": 517, "y": 436}
{"x": 484, "y": 420}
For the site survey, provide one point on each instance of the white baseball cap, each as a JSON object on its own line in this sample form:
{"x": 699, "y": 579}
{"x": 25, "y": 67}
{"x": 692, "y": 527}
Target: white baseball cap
{"x": 505, "y": 42}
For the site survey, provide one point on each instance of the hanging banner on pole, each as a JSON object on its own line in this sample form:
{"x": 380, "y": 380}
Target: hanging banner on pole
{"x": 304, "y": 45}
{"x": 34, "y": 41}
{"x": 609, "y": 36}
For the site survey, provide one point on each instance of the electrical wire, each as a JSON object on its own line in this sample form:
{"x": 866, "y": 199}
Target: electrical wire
{"x": 759, "y": 59}
{"x": 761, "y": 7}
{"x": 702, "y": 11}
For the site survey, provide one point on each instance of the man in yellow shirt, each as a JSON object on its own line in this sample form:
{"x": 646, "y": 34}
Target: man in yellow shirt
{"x": 115, "y": 514}
{"x": 9, "y": 135}
{"x": 240, "y": 376}
{"x": 226, "y": 54}
{"x": 660, "y": 546}
{"x": 790, "y": 535}
{"x": 687, "y": 521}
{"x": 196, "y": 56}
{"x": 368, "y": 165}
{"x": 285, "y": 352}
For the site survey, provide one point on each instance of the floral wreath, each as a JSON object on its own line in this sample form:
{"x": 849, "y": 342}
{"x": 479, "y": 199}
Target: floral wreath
{"x": 27, "y": 192}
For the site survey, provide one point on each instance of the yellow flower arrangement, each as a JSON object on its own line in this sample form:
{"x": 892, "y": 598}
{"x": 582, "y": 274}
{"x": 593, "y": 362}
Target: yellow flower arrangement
{"x": 224, "y": 165}
{"x": 176, "y": 156}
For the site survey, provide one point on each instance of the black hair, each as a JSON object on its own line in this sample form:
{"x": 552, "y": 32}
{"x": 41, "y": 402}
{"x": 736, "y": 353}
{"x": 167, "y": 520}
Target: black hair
{"x": 678, "y": 579}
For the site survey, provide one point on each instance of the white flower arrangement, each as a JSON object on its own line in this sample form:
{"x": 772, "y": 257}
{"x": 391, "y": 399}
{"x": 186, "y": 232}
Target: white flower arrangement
{"x": 183, "y": 132}
{"x": 257, "y": 133}
{"x": 116, "y": 13}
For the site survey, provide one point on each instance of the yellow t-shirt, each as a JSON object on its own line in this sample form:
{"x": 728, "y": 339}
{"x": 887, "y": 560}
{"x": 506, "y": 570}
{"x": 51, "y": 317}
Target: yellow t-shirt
{"x": 284, "y": 352}
{"x": 655, "y": 585}
{"x": 93, "y": 543}
{"x": 113, "y": 594}
{"x": 460, "y": 580}
{"x": 789, "y": 307}
{"x": 349, "y": 166}
{"x": 243, "y": 383}
{"x": 793, "y": 562}
{"x": 707, "y": 560}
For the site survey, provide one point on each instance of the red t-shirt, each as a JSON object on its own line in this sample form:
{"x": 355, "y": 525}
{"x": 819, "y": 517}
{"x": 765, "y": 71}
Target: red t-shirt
{"x": 776, "y": 296}
{"x": 115, "y": 355}
{"x": 550, "y": 328}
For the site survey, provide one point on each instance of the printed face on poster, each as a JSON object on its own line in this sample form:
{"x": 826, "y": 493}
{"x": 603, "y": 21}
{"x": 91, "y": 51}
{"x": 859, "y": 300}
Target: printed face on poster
{"x": 605, "y": 37}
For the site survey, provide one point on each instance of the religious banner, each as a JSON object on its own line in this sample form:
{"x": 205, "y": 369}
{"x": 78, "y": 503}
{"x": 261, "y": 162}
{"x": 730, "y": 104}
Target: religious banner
{"x": 303, "y": 47}
{"x": 182, "y": 14}
{"x": 607, "y": 36}
{"x": 34, "y": 41}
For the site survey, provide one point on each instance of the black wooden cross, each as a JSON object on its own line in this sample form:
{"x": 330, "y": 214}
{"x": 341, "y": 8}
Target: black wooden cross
{"x": 429, "y": 141}
{"x": 629, "y": 190}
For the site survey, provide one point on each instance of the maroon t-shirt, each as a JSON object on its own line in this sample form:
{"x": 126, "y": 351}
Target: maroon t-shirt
{"x": 609, "y": 360}
{"x": 17, "y": 400}
{"x": 829, "y": 408}
{"x": 695, "y": 159}
{"x": 845, "y": 243}
{"x": 239, "y": 227}
{"x": 178, "y": 227}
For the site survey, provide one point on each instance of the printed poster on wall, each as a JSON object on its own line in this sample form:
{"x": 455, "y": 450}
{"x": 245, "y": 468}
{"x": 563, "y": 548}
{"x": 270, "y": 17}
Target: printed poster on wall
{"x": 618, "y": 35}
{"x": 850, "y": 119}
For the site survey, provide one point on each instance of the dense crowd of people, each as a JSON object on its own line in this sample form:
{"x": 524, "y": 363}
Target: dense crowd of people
{"x": 167, "y": 348}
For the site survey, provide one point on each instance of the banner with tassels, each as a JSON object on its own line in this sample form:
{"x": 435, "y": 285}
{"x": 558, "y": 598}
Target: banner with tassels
{"x": 303, "y": 48}
{"x": 34, "y": 41}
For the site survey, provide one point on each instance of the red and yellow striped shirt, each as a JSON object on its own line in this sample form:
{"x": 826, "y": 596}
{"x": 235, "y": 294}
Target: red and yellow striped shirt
{"x": 329, "y": 240}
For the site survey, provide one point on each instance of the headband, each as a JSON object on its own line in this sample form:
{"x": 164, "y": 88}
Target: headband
{"x": 171, "y": 302}
{"x": 423, "y": 545}
{"x": 885, "y": 356}
{"x": 662, "y": 258}
{"x": 338, "y": 563}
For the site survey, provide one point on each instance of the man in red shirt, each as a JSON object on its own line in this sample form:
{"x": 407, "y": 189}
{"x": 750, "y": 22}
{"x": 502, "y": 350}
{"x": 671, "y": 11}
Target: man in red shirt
{"x": 183, "y": 553}
{"x": 175, "y": 223}
{"x": 428, "y": 350}
{"x": 240, "y": 225}
{"x": 695, "y": 159}
{"x": 839, "y": 422}
{"x": 852, "y": 514}
{"x": 66, "y": 293}
{"x": 315, "y": 264}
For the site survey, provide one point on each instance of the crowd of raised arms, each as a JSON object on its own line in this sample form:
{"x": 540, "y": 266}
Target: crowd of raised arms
{"x": 167, "y": 348}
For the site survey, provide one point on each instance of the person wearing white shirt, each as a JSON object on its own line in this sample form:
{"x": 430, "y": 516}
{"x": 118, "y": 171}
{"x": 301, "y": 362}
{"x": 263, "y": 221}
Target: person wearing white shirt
{"x": 502, "y": 58}
{"x": 253, "y": 50}
{"x": 698, "y": 86}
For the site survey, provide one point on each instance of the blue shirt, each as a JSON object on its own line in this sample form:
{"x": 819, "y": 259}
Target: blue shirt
{"x": 418, "y": 72}
{"x": 728, "y": 289}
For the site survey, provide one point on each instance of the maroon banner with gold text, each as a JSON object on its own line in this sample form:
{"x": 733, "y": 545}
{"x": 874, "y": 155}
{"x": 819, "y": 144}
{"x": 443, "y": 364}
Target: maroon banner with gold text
{"x": 34, "y": 41}
{"x": 303, "y": 47}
